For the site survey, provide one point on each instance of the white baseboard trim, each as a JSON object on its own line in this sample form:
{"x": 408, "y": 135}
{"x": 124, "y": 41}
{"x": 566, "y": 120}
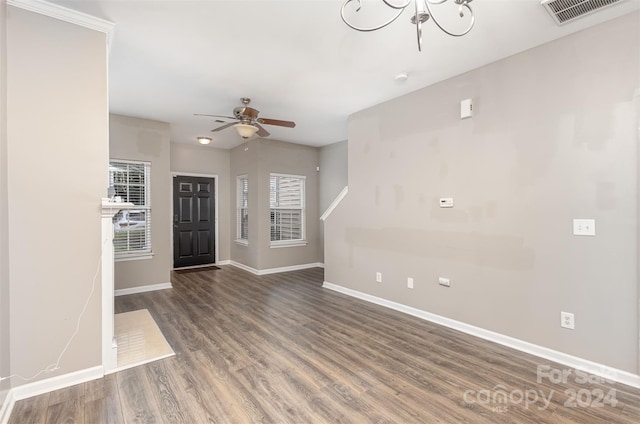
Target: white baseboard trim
{"x": 225, "y": 262}
{"x": 7, "y": 407}
{"x": 143, "y": 289}
{"x": 289, "y": 268}
{"x": 276, "y": 270}
{"x": 45, "y": 386}
{"x": 59, "y": 382}
{"x": 193, "y": 267}
{"x": 609, "y": 373}
{"x": 244, "y": 267}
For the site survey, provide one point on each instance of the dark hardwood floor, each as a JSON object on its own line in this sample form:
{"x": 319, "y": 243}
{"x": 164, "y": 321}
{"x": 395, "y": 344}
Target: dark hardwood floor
{"x": 280, "y": 349}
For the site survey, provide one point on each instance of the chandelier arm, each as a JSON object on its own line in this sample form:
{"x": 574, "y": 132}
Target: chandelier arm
{"x": 453, "y": 34}
{"x": 395, "y": 6}
{"x": 367, "y": 29}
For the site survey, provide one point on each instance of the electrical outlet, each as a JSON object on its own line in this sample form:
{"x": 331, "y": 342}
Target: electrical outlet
{"x": 444, "y": 282}
{"x": 410, "y": 283}
{"x": 567, "y": 320}
{"x": 378, "y": 277}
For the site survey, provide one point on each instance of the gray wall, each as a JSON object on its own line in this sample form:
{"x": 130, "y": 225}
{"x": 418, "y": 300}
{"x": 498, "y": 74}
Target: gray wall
{"x": 287, "y": 158}
{"x": 57, "y": 126}
{"x": 146, "y": 140}
{"x": 258, "y": 159}
{"x": 244, "y": 161}
{"x": 198, "y": 159}
{"x": 333, "y": 179}
{"x": 5, "y": 364}
{"x": 554, "y": 137}
{"x": 333, "y": 173}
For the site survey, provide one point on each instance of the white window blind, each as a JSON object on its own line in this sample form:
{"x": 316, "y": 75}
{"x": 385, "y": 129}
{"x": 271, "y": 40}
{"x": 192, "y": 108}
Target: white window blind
{"x": 286, "y": 202}
{"x": 132, "y": 228}
{"x": 242, "y": 218}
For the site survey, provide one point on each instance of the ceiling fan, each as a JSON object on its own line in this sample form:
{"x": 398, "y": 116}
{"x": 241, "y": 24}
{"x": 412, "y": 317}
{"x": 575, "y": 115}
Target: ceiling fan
{"x": 249, "y": 122}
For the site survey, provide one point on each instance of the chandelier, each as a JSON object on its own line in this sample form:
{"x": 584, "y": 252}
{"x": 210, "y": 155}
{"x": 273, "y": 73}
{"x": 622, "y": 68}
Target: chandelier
{"x": 422, "y": 14}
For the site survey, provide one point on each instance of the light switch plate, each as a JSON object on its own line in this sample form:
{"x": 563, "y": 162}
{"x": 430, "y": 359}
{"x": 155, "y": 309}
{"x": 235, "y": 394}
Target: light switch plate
{"x": 466, "y": 108}
{"x": 584, "y": 227}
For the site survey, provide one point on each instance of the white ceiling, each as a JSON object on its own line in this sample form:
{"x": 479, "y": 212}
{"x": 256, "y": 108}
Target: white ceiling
{"x": 296, "y": 59}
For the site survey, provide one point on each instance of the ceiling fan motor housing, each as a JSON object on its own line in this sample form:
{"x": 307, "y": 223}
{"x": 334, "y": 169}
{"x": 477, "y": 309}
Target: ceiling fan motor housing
{"x": 245, "y": 113}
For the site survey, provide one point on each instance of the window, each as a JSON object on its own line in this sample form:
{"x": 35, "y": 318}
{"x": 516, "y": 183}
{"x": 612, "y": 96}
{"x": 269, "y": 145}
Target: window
{"x": 286, "y": 203}
{"x": 242, "y": 201}
{"x": 132, "y": 228}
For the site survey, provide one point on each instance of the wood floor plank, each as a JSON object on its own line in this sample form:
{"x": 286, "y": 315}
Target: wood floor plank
{"x": 202, "y": 401}
{"x": 66, "y": 412}
{"x": 281, "y": 349}
{"x": 104, "y": 410}
{"x": 72, "y": 393}
{"x": 219, "y": 382}
{"x": 138, "y": 405}
{"x": 102, "y": 401}
{"x": 32, "y": 410}
{"x": 166, "y": 391}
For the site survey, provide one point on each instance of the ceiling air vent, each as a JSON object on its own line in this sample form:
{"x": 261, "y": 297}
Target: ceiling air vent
{"x": 563, "y": 11}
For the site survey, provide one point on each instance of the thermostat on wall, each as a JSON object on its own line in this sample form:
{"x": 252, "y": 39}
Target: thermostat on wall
{"x": 446, "y": 202}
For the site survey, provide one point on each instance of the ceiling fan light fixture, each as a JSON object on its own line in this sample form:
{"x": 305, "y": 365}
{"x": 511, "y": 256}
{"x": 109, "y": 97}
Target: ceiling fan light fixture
{"x": 246, "y": 121}
{"x": 245, "y": 130}
{"x": 204, "y": 140}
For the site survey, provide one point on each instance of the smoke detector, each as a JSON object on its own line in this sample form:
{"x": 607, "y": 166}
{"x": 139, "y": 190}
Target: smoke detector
{"x": 563, "y": 11}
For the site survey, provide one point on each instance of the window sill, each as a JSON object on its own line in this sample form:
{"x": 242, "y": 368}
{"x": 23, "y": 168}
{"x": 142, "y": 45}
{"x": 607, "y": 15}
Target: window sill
{"x": 242, "y": 242}
{"x": 287, "y": 243}
{"x": 133, "y": 257}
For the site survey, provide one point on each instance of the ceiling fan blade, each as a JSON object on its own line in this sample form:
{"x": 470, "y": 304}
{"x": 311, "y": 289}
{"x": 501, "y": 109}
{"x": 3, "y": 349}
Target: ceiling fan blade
{"x": 261, "y": 131}
{"x": 223, "y": 127}
{"x": 288, "y": 124}
{"x": 214, "y": 116}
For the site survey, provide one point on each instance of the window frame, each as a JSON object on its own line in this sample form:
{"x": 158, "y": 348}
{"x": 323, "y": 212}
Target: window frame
{"x": 146, "y": 252}
{"x": 241, "y": 195}
{"x": 303, "y": 233}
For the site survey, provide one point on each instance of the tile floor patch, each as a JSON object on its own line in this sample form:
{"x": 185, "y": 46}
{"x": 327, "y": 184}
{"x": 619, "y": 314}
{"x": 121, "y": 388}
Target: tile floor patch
{"x": 139, "y": 339}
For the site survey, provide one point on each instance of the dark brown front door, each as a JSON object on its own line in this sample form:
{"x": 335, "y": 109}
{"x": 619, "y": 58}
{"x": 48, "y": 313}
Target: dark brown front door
{"x": 193, "y": 221}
